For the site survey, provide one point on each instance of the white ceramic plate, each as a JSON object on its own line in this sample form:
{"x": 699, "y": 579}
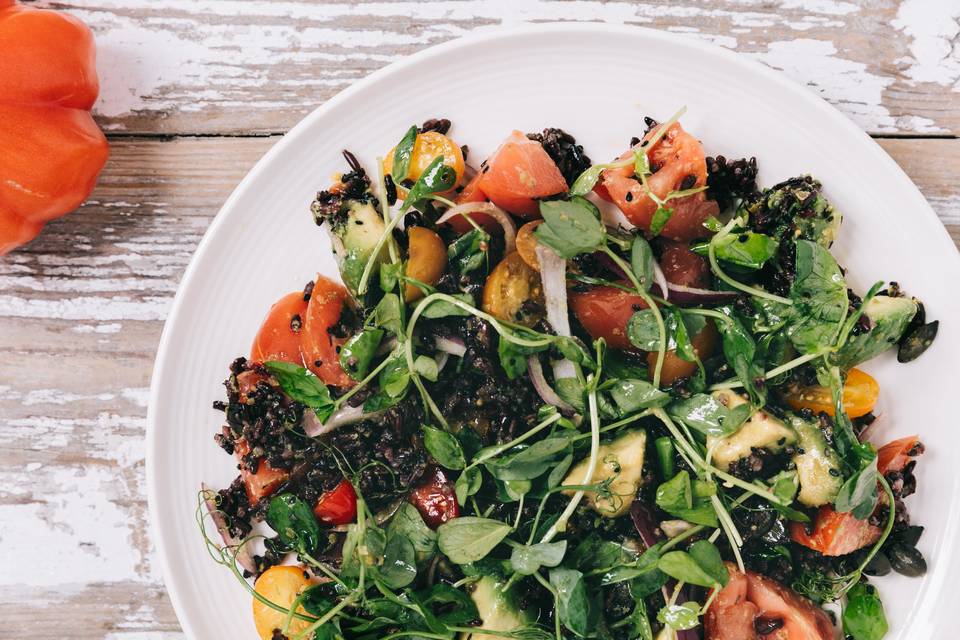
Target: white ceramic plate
{"x": 596, "y": 82}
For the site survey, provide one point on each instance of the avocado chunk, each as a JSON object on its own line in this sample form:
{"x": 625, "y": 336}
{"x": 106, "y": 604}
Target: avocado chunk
{"x": 497, "y": 609}
{"x": 818, "y": 466}
{"x": 889, "y": 318}
{"x": 761, "y": 431}
{"x": 620, "y": 459}
{"x": 356, "y": 239}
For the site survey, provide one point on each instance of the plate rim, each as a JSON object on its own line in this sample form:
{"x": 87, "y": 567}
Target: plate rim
{"x": 482, "y": 34}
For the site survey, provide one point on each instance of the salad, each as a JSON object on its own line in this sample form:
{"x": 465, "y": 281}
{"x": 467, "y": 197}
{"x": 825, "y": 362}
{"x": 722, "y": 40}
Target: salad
{"x": 559, "y": 399}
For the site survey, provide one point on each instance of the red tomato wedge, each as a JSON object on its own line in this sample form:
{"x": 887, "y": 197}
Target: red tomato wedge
{"x": 893, "y": 456}
{"x": 605, "y": 311}
{"x": 260, "y": 483}
{"x": 318, "y": 347}
{"x": 680, "y": 164}
{"x": 472, "y": 193}
{"x": 435, "y": 499}
{"x": 835, "y": 533}
{"x": 279, "y": 335}
{"x": 337, "y": 506}
{"x": 517, "y": 173}
{"x": 750, "y": 596}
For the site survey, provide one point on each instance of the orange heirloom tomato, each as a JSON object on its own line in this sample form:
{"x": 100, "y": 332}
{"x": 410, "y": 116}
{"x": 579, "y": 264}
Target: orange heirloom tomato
{"x": 280, "y": 585}
{"x": 428, "y": 260}
{"x": 426, "y": 148}
{"x": 513, "y": 292}
{"x": 318, "y": 347}
{"x": 279, "y": 335}
{"x": 52, "y": 149}
{"x": 527, "y": 243}
{"x": 860, "y": 393}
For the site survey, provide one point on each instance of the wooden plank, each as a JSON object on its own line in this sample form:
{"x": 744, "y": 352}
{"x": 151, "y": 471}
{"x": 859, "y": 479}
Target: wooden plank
{"x": 205, "y": 66}
{"x": 80, "y": 315}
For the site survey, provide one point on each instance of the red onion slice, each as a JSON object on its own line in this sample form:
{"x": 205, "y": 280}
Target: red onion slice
{"x": 244, "y": 557}
{"x": 453, "y": 346}
{"x": 692, "y": 296}
{"x": 547, "y": 394}
{"x": 344, "y": 415}
{"x": 661, "y": 280}
{"x": 492, "y": 210}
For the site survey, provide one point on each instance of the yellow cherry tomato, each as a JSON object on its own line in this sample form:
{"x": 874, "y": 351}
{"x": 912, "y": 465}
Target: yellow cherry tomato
{"x": 427, "y": 146}
{"x": 280, "y": 585}
{"x": 860, "y": 393}
{"x": 513, "y": 292}
{"x": 527, "y": 243}
{"x": 427, "y": 261}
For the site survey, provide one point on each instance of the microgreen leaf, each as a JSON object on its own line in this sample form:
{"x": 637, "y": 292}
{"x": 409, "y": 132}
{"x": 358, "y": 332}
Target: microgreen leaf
{"x": 358, "y": 352}
{"x": 468, "y": 539}
{"x": 527, "y": 559}
{"x": 859, "y": 494}
{"x": 863, "y": 617}
{"x": 293, "y": 520}
{"x": 642, "y": 261}
{"x": 708, "y": 415}
{"x": 660, "y": 219}
{"x": 399, "y": 566}
{"x": 573, "y": 605}
{"x": 688, "y": 499}
{"x": 436, "y": 178}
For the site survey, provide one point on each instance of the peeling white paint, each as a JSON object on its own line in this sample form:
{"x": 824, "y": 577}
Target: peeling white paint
{"x": 86, "y": 308}
{"x": 934, "y": 27}
{"x": 112, "y": 327}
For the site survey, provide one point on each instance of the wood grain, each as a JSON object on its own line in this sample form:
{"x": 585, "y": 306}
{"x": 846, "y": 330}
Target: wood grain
{"x": 80, "y": 315}
{"x": 205, "y": 66}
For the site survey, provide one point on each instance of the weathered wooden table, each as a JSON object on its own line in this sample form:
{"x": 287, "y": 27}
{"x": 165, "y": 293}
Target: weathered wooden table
{"x": 193, "y": 93}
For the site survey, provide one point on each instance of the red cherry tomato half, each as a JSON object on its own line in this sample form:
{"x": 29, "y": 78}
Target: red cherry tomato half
{"x": 337, "y": 506}
{"x": 605, "y": 311}
{"x": 435, "y": 499}
{"x": 893, "y": 456}
{"x": 835, "y": 533}
{"x": 279, "y": 335}
{"x": 519, "y": 172}
{"x": 260, "y": 483}
{"x": 318, "y": 347}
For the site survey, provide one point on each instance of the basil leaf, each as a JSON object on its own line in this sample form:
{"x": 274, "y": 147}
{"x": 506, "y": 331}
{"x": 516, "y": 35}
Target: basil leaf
{"x": 678, "y": 329}
{"x": 399, "y": 566}
{"x": 748, "y": 249}
{"x": 632, "y": 395}
{"x": 644, "y": 334}
{"x": 436, "y": 178}
{"x": 644, "y": 576}
{"x": 401, "y": 155}
{"x": 573, "y": 605}
{"x": 680, "y": 616}
{"x": 302, "y": 386}
{"x": 819, "y": 295}
{"x": 468, "y": 539}
{"x": 642, "y": 262}
{"x": 379, "y": 402}
{"x": 450, "y": 606}
{"x": 469, "y": 252}
{"x": 741, "y": 354}
{"x": 706, "y": 414}
{"x": 358, "y": 352}
{"x": 528, "y": 558}
{"x": 863, "y": 617}
{"x": 444, "y": 447}
{"x": 408, "y": 522}
{"x": 571, "y": 227}
{"x": 859, "y": 494}
{"x": 688, "y": 499}
{"x": 293, "y": 520}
